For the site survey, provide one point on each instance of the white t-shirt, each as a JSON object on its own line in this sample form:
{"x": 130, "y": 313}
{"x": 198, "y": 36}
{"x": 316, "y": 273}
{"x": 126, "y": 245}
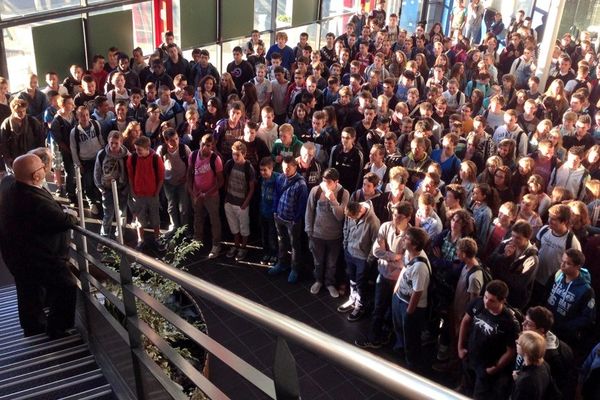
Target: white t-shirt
{"x": 414, "y": 278}
{"x": 552, "y": 248}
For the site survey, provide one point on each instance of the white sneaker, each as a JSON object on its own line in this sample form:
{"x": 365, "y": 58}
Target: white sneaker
{"x": 333, "y": 292}
{"x": 214, "y": 252}
{"x": 314, "y": 289}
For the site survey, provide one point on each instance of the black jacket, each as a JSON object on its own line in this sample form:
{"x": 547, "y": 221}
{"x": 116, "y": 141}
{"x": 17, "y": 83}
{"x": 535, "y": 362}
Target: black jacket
{"x": 34, "y": 236}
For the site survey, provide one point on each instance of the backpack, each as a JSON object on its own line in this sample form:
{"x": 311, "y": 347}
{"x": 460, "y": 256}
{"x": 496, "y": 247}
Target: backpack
{"x": 487, "y": 276}
{"x": 98, "y": 133}
{"x": 247, "y": 166}
{"x": 212, "y": 162}
{"x": 432, "y": 288}
{"x": 339, "y": 196}
{"x": 182, "y": 153}
{"x": 134, "y": 158}
{"x": 570, "y": 234}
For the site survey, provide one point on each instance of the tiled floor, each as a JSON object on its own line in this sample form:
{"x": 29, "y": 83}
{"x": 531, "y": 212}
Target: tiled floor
{"x": 318, "y": 378}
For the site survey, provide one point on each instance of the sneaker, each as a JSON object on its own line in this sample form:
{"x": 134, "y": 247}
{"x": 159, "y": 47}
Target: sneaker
{"x": 347, "y": 306}
{"x": 277, "y": 269}
{"x": 94, "y": 209}
{"x": 140, "y": 245}
{"x": 100, "y": 248}
{"x": 293, "y": 277}
{"x": 442, "y": 353}
{"x": 214, "y": 252}
{"x": 241, "y": 254}
{"x": 367, "y": 344}
{"x": 356, "y": 314}
{"x": 265, "y": 260}
{"x": 231, "y": 252}
{"x": 333, "y": 292}
{"x": 273, "y": 260}
{"x": 314, "y": 289}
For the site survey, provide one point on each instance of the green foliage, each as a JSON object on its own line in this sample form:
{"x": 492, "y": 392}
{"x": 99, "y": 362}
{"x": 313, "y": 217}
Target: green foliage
{"x": 179, "y": 249}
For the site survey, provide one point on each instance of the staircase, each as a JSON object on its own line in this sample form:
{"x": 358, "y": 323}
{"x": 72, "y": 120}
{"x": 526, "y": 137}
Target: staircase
{"x": 39, "y": 368}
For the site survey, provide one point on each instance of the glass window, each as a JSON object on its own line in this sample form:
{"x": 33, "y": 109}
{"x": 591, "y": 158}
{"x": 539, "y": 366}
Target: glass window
{"x": 411, "y": 10}
{"x": 12, "y": 9}
{"x": 335, "y": 25}
{"x": 294, "y": 35}
{"x": 262, "y": 15}
{"x": 331, "y": 8}
{"x": 284, "y": 13}
{"x": 227, "y": 55}
{"x": 176, "y": 21}
{"x": 143, "y": 26}
{"x": 20, "y": 56}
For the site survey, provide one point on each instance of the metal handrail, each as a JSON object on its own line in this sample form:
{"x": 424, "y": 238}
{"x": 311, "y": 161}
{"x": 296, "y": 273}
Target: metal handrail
{"x": 378, "y": 372}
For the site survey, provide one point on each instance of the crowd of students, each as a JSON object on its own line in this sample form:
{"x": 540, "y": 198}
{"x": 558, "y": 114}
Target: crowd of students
{"x": 432, "y": 179}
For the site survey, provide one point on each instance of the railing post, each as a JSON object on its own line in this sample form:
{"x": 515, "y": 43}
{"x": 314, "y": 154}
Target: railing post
{"x": 135, "y": 340}
{"x": 117, "y": 207}
{"x": 285, "y": 375}
{"x": 84, "y": 267}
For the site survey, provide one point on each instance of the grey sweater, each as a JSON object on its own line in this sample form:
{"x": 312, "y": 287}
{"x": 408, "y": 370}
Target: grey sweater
{"x": 359, "y": 235}
{"x": 324, "y": 219}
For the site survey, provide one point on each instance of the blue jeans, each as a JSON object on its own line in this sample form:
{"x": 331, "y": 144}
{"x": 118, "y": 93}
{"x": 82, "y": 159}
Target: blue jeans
{"x": 108, "y": 206}
{"x": 407, "y": 328}
{"x": 356, "y": 268}
{"x": 268, "y": 234}
{"x": 289, "y": 235}
{"x": 384, "y": 290}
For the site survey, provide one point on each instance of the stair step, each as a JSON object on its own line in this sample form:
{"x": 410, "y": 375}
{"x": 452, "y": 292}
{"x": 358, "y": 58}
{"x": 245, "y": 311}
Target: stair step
{"x": 20, "y": 342}
{"x": 67, "y": 386}
{"x": 39, "y": 349}
{"x": 103, "y": 392}
{"x": 43, "y": 361}
{"x": 47, "y": 375}
{"x": 9, "y": 337}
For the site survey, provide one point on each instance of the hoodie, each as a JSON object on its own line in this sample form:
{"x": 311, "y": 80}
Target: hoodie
{"x": 111, "y": 166}
{"x": 324, "y": 219}
{"x": 289, "y": 198}
{"x": 359, "y": 235}
{"x": 569, "y": 178}
{"x": 572, "y": 304}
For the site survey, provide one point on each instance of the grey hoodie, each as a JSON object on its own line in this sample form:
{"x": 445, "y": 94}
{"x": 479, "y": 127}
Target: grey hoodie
{"x": 359, "y": 235}
{"x": 110, "y": 166}
{"x": 324, "y": 219}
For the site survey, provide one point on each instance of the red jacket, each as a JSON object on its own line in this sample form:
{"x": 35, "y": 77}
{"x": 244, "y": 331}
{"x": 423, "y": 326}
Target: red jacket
{"x": 145, "y": 182}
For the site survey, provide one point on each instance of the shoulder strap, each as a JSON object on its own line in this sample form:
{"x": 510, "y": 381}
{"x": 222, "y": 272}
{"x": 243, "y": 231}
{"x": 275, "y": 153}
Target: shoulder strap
{"x": 247, "y": 166}
{"x": 194, "y": 158}
{"x": 543, "y": 231}
{"x": 182, "y": 154}
{"x": 569, "y": 242}
{"x": 212, "y": 161}
{"x": 134, "y": 158}
{"x": 102, "y": 156}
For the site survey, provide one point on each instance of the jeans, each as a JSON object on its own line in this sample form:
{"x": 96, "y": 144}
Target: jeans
{"x": 407, "y": 328}
{"x": 325, "y": 255}
{"x": 355, "y": 269}
{"x": 90, "y": 190}
{"x": 289, "y": 235}
{"x": 210, "y": 205}
{"x": 384, "y": 290}
{"x": 70, "y": 175}
{"x": 178, "y": 204}
{"x": 484, "y": 386}
{"x": 108, "y": 206}
{"x": 268, "y": 234}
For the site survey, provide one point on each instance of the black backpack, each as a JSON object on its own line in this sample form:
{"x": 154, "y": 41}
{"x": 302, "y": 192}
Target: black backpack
{"x": 182, "y": 153}
{"x": 487, "y": 276}
{"x": 247, "y": 166}
{"x": 212, "y": 162}
{"x": 570, "y": 234}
